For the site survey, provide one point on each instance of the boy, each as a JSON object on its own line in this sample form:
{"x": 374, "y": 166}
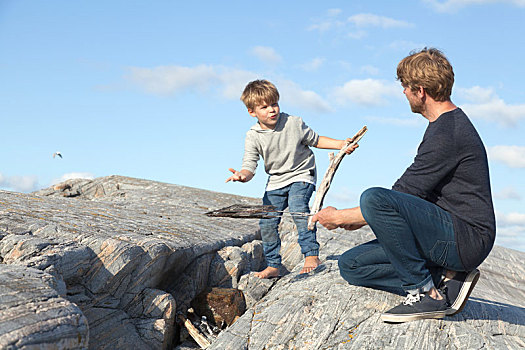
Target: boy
{"x": 284, "y": 143}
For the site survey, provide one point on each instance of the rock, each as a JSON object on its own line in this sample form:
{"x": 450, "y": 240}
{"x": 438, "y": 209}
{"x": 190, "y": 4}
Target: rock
{"x": 255, "y": 288}
{"x": 115, "y": 259}
{"x": 34, "y": 316}
{"x": 119, "y": 250}
{"x": 220, "y": 305}
{"x": 321, "y": 311}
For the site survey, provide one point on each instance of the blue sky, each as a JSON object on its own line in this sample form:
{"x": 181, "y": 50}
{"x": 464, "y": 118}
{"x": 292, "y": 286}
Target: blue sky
{"x": 151, "y": 89}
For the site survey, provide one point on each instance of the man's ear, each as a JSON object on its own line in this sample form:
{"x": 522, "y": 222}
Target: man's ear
{"x": 421, "y": 92}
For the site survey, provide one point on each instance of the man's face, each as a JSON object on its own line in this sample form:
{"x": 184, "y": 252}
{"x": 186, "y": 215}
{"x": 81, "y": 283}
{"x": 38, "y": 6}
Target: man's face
{"x": 266, "y": 114}
{"x": 416, "y": 104}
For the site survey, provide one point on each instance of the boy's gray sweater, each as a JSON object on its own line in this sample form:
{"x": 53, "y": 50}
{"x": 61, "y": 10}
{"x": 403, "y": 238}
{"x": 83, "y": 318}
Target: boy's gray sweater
{"x": 285, "y": 150}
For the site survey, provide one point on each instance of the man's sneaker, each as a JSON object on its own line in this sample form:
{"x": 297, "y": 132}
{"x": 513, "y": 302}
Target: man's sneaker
{"x": 458, "y": 290}
{"x": 416, "y": 307}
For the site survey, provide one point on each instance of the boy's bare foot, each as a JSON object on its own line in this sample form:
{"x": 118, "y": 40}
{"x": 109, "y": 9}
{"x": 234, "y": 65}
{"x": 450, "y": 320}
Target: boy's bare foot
{"x": 310, "y": 263}
{"x": 268, "y": 272}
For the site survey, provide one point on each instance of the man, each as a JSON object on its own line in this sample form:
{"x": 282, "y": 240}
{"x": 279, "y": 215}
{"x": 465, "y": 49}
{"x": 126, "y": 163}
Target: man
{"x": 436, "y": 224}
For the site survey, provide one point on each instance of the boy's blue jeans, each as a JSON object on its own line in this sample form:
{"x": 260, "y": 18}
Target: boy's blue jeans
{"x": 296, "y": 197}
{"x": 415, "y": 244}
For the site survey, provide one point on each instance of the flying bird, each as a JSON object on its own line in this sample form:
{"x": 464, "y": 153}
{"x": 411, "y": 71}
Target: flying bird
{"x": 57, "y": 154}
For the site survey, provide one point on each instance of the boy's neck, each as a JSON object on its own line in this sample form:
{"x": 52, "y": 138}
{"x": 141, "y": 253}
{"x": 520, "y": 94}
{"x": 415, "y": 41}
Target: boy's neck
{"x": 264, "y": 127}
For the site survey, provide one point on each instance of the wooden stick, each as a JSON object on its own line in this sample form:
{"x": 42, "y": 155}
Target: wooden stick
{"x": 194, "y": 333}
{"x": 330, "y": 172}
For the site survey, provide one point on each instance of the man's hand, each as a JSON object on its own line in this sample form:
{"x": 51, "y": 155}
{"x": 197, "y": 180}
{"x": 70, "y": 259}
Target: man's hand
{"x": 238, "y": 176}
{"x": 327, "y": 217}
{"x": 349, "y": 219}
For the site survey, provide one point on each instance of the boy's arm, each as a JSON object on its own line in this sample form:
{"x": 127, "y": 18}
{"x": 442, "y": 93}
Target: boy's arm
{"x": 241, "y": 176}
{"x": 329, "y": 143}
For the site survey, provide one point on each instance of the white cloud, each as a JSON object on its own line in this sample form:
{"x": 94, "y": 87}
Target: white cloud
{"x": 172, "y": 79}
{"x": 513, "y": 156}
{"x": 476, "y": 94}
{"x": 416, "y": 120}
{"x": 510, "y": 231}
{"x": 508, "y": 193}
{"x": 358, "y": 34}
{"x": 353, "y": 26}
{"x": 313, "y": 65}
{"x": 266, "y": 54}
{"x": 488, "y": 106}
{"x": 324, "y": 26}
{"x": 328, "y": 22}
{"x": 455, "y": 5}
{"x": 368, "y": 92}
{"x": 26, "y": 183}
{"x": 511, "y": 237}
{"x": 226, "y": 81}
{"x": 334, "y": 12}
{"x": 342, "y": 197}
{"x": 69, "y": 176}
{"x": 233, "y": 82}
{"x": 369, "y": 69}
{"x": 370, "y": 20}
{"x": 306, "y": 99}
{"x": 405, "y": 45}
{"x": 510, "y": 219}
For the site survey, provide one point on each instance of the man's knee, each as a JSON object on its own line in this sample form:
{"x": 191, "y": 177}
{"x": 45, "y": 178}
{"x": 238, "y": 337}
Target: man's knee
{"x": 350, "y": 268}
{"x": 373, "y": 201}
{"x": 373, "y": 196}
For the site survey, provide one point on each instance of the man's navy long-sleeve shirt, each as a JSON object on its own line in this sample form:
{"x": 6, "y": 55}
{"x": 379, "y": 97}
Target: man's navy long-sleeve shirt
{"x": 451, "y": 171}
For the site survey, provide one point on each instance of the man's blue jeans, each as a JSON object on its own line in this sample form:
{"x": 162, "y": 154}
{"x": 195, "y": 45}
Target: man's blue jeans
{"x": 296, "y": 197}
{"x": 415, "y": 244}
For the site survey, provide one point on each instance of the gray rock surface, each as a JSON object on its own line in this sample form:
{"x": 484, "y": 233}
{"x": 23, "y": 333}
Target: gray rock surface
{"x": 127, "y": 252}
{"x": 122, "y": 256}
{"x": 321, "y": 311}
{"x": 34, "y": 315}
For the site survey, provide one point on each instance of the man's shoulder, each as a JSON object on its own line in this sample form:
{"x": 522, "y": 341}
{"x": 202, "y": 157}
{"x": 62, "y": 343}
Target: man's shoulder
{"x": 450, "y": 121}
{"x": 459, "y": 120}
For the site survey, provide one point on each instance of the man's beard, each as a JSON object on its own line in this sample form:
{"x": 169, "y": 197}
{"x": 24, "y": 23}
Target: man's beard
{"x": 416, "y": 106}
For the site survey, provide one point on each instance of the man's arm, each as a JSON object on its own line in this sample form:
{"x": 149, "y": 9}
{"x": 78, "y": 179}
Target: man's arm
{"x": 241, "y": 176}
{"x": 332, "y": 218}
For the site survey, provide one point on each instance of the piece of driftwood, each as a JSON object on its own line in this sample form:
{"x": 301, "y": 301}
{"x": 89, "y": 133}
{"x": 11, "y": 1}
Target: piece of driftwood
{"x": 194, "y": 333}
{"x": 251, "y": 212}
{"x": 329, "y": 175}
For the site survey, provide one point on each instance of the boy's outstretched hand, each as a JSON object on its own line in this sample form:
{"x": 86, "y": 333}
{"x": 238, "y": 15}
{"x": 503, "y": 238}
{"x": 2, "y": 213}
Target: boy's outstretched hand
{"x": 241, "y": 176}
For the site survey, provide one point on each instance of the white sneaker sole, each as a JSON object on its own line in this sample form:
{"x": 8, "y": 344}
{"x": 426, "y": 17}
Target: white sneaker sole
{"x": 393, "y": 318}
{"x": 464, "y": 293}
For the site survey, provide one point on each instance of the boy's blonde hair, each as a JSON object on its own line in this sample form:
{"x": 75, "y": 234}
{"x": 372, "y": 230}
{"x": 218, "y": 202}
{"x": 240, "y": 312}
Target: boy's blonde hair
{"x": 258, "y": 92}
{"x": 430, "y": 69}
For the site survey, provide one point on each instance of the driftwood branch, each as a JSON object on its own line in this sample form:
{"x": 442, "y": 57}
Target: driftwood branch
{"x": 243, "y": 211}
{"x": 194, "y": 333}
{"x": 329, "y": 175}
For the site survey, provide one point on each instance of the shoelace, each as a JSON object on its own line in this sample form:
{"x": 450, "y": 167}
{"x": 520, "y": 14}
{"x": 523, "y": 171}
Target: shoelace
{"x": 412, "y": 298}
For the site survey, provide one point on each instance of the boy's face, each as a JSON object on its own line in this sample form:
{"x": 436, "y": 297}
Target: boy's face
{"x": 266, "y": 114}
